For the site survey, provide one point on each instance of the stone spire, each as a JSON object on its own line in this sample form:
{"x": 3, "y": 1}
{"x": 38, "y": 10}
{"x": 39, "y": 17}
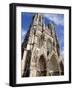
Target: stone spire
{"x": 37, "y": 19}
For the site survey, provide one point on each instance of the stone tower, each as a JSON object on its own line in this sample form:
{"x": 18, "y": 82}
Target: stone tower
{"x": 40, "y": 50}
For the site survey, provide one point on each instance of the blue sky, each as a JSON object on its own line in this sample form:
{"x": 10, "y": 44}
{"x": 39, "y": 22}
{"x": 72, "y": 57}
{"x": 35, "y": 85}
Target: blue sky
{"x": 58, "y": 19}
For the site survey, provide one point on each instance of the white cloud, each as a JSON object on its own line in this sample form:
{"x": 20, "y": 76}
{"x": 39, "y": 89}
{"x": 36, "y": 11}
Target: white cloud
{"x": 61, "y": 57}
{"x": 23, "y": 33}
{"x": 56, "y": 18}
{"x": 62, "y": 53}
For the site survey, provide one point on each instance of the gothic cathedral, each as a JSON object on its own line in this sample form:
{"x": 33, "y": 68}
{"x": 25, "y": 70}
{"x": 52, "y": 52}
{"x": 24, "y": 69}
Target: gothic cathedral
{"x": 40, "y": 50}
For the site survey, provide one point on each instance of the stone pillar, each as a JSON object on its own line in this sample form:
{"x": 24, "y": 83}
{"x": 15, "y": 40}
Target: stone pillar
{"x": 33, "y": 64}
{"x": 23, "y": 62}
{"x": 33, "y": 71}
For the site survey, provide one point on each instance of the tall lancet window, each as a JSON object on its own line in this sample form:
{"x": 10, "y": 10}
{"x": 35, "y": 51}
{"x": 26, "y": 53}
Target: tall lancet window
{"x": 41, "y": 40}
{"x": 40, "y": 19}
{"x": 36, "y": 17}
{"x": 49, "y": 46}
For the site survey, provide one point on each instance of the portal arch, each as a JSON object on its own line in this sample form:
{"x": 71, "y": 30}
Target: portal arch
{"x": 53, "y": 66}
{"x": 41, "y": 67}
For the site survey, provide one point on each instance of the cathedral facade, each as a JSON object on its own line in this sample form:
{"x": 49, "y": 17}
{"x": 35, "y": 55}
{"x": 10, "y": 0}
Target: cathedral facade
{"x": 40, "y": 50}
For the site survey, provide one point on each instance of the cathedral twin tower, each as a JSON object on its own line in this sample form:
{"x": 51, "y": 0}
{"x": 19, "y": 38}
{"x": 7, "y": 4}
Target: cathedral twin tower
{"x": 40, "y": 50}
